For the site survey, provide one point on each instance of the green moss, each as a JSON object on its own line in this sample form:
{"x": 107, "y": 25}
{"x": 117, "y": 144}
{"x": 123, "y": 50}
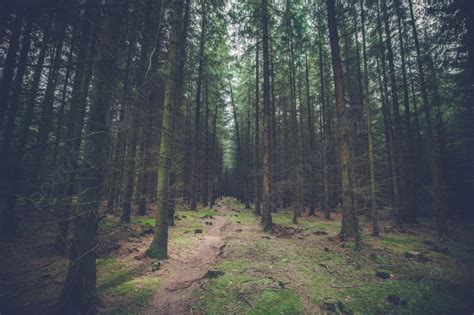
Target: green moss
{"x": 402, "y": 243}
{"x": 372, "y": 298}
{"x": 235, "y": 293}
{"x": 133, "y": 291}
{"x": 143, "y": 221}
{"x": 277, "y": 302}
{"x": 138, "y": 289}
{"x": 111, "y": 274}
{"x": 205, "y": 213}
{"x": 308, "y": 223}
{"x": 244, "y": 217}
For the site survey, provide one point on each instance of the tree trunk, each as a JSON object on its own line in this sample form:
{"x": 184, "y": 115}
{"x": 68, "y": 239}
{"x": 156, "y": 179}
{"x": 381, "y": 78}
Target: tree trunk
{"x": 79, "y": 293}
{"x": 350, "y": 227}
{"x": 266, "y": 201}
{"x": 159, "y": 246}
{"x": 312, "y": 206}
{"x": 431, "y": 143}
{"x": 257, "y": 209}
{"x": 409, "y": 213}
{"x": 368, "y": 117}
{"x": 197, "y": 119}
{"x": 397, "y": 132}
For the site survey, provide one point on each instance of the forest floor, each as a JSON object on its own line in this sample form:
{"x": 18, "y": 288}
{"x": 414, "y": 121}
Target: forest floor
{"x": 222, "y": 263}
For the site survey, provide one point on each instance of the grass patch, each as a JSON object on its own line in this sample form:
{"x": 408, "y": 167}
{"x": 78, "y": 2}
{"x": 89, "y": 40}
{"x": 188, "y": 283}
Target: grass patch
{"x": 133, "y": 292}
{"x": 139, "y": 290}
{"x": 245, "y": 217}
{"x": 243, "y": 294}
{"x": 309, "y": 223}
{"x": 204, "y": 213}
{"x": 111, "y": 274}
{"x": 143, "y": 221}
{"x": 402, "y": 243}
{"x": 277, "y": 302}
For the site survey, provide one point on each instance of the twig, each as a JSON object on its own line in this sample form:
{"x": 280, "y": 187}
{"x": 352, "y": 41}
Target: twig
{"x": 242, "y": 295}
{"x": 327, "y": 268}
{"x": 349, "y": 286}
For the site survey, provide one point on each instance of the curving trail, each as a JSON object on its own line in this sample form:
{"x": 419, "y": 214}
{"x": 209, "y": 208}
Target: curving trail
{"x": 182, "y": 274}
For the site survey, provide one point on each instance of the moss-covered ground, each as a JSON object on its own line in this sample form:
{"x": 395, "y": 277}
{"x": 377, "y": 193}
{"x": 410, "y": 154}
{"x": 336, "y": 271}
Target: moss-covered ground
{"x": 294, "y": 269}
{"x": 289, "y": 271}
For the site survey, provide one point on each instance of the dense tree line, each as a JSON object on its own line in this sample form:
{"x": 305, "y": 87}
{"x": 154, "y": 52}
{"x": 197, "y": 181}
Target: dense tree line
{"x": 367, "y": 99}
{"x": 113, "y": 107}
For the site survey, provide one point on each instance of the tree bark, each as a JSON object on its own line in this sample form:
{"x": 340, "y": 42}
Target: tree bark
{"x": 350, "y": 228}
{"x": 197, "y": 118}
{"x": 79, "y": 293}
{"x": 266, "y": 198}
{"x": 159, "y": 246}
{"x": 431, "y": 143}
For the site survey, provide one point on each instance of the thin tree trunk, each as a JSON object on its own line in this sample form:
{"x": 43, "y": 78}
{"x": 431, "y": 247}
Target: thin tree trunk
{"x": 312, "y": 152}
{"x": 431, "y": 143}
{"x": 197, "y": 118}
{"x": 409, "y": 215}
{"x": 368, "y": 117}
{"x": 266, "y": 198}
{"x": 257, "y": 209}
{"x": 397, "y": 132}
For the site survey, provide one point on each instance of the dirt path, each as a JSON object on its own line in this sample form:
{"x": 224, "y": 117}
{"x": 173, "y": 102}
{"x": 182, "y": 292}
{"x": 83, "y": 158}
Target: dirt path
{"x": 182, "y": 274}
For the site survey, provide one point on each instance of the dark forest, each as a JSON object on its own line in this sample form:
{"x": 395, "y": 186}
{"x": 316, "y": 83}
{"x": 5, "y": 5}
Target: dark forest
{"x": 236, "y": 157}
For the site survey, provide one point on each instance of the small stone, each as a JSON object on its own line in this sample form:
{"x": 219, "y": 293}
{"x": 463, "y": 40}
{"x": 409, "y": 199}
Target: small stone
{"x": 300, "y": 237}
{"x": 156, "y": 266}
{"x": 396, "y": 300}
{"x": 210, "y": 274}
{"x": 197, "y": 231}
{"x": 383, "y": 274}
